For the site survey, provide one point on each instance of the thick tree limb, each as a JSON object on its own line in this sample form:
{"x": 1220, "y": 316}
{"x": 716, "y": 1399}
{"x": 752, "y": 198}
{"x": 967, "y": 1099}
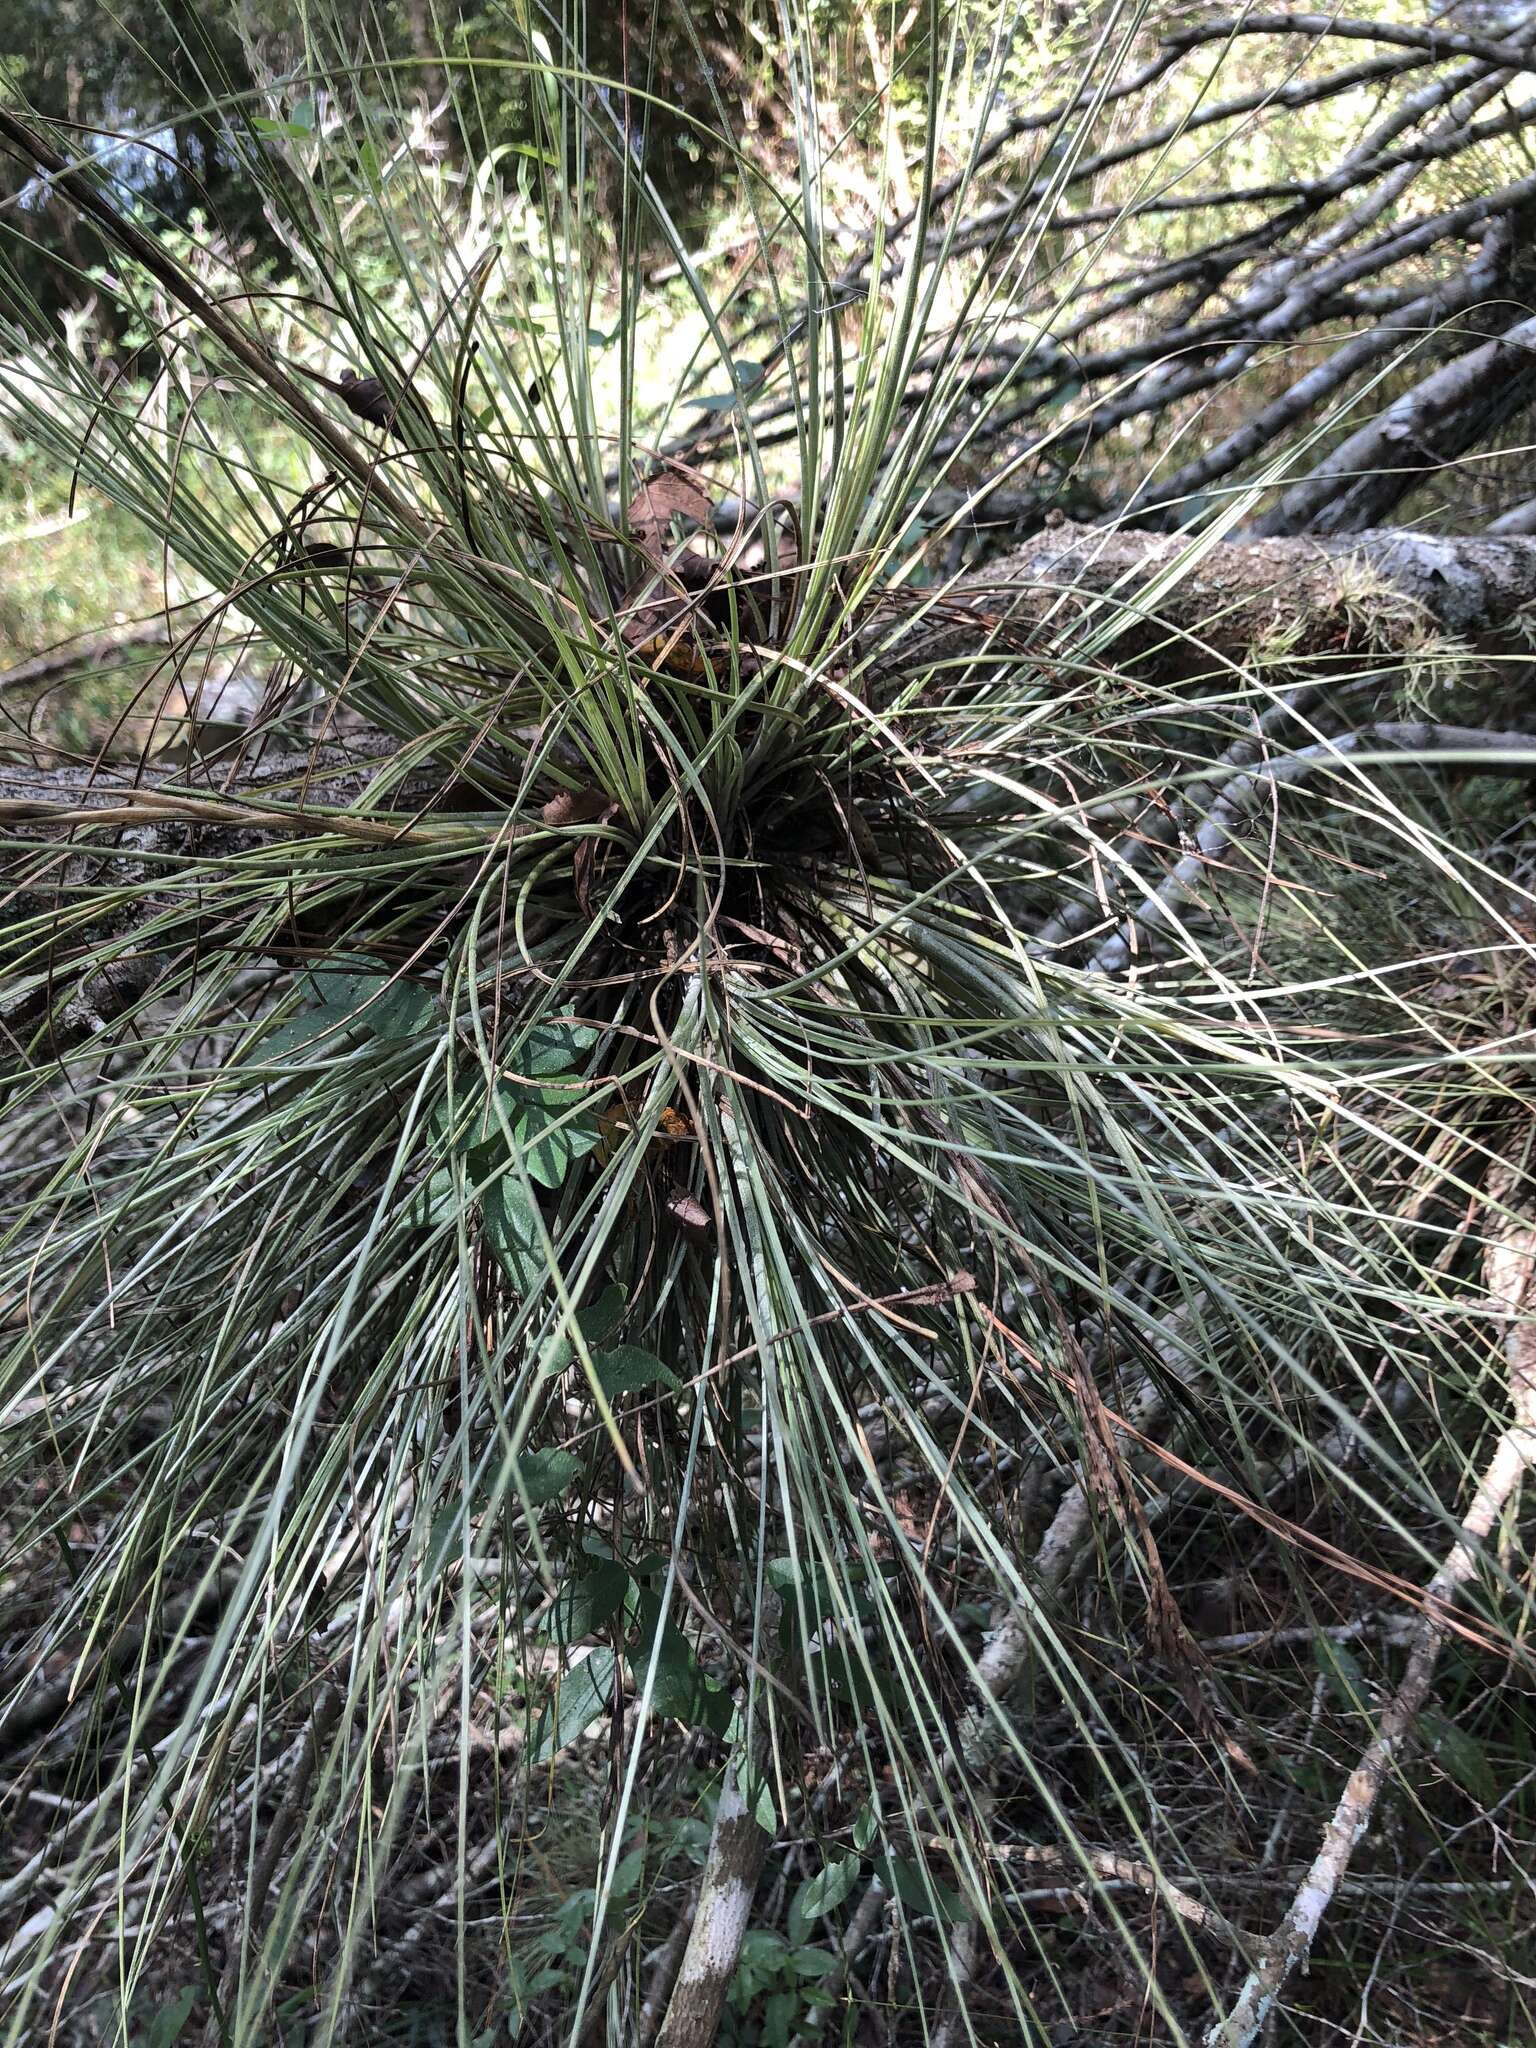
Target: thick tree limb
{"x": 1369, "y": 594}
{"x": 322, "y": 788}
{"x": 721, "y": 1912}
{"x": 1374, "y": 594}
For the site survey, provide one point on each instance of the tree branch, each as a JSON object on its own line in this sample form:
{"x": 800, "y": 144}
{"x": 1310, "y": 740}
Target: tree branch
{"x": 1313, "y": 596}
{"x": 1245, "y": 790}
{"x": 1443, "y": 417}
{"x": 737, "y": 1847}
{"x": 1509, "y": 1270}
{"x": 330, "y": 784}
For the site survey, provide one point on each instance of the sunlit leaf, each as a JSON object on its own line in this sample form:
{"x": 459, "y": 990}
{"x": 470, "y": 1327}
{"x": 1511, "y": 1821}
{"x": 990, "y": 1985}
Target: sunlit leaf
{"x": 552, "y": 1048}
{"x": 552, "y": 1135}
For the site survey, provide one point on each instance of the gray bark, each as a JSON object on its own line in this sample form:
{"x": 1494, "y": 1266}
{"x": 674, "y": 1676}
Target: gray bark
{"x": 726, "y": 1890}
{"x": 140, "y": 826}
{"x": 1510, "y": 1270}
{"x": 1446, "y": 416}
{"x": 1370, "y": 593}
{"x": 307, "y": 783}
{"x": 1513, "y": 753}
{"x": 1367, "y": 594}
{"x": 1420, "y": 317}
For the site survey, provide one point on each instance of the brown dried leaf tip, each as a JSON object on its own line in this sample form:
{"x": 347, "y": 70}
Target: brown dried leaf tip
{"x": 672, "y": 495}
{"x": 690, "y": 1216}
{"x": 574, "y": 807}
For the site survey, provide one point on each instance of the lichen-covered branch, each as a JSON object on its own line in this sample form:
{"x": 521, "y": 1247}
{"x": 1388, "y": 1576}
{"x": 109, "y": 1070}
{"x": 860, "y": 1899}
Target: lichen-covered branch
{"x": 1376, "y": 594}
{"x": 721, "y": 1914}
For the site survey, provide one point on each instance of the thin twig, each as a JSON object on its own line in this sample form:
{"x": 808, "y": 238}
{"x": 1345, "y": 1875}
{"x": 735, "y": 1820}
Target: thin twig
{"x": 1514, "y": 752}
{"x": 1509, "y": 1271}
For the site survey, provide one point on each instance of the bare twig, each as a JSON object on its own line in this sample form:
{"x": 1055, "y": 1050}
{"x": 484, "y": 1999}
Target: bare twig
{"x": 1516, "y": 754}
{"x": 1509, "y": 1272}
{"x": 29, "y": 1713}
{"x": 248, "y": 1926}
